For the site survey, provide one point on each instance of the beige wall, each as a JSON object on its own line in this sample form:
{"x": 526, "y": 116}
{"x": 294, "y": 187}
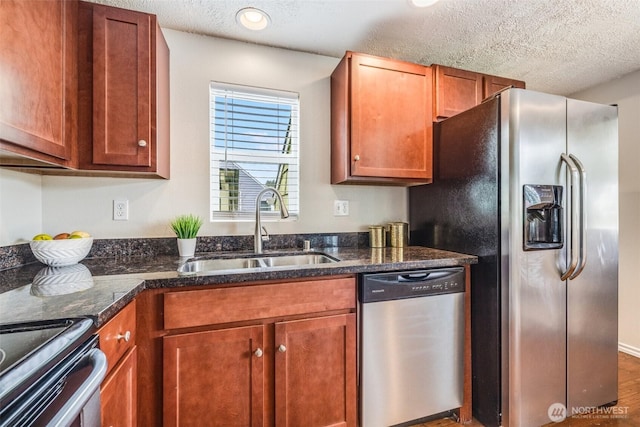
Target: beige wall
{"x": 70, "y": 203}
{"x": 625, "y": 92}
{"x": 20, "y": 205}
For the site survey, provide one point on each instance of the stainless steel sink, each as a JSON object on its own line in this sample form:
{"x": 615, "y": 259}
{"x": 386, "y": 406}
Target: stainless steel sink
{"x": 211, "y": 265}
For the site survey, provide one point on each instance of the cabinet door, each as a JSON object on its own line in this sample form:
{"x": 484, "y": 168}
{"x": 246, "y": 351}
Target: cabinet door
{"x": 456, "y": 91}
{"x": 122, "y": 87}
{"x": 315, "y": 372}
{"x": 214, "y": 378}
{"x": 38, "y": 91}
{"x": 493, "y": 84}
{"x": 390, "y": 119}
{"x": 118, "y": 394}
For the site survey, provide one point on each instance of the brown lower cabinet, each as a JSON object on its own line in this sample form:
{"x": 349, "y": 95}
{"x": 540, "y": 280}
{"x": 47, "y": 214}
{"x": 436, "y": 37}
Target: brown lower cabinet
{"x": 118, "y": 395}
{"x": 220, "y": 376}
{"x": 315, "y": 373}
{"x": 257, "y": 354}
{"x": 119, "y": 391}
{"x": 214, "y": 375}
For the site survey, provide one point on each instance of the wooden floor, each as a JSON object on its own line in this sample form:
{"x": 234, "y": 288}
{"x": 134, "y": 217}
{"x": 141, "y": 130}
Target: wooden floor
{"x": 628, "y": 407}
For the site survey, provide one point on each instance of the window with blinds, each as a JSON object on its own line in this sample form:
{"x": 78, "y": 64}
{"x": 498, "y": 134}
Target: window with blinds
{"x": 254, "y": 145}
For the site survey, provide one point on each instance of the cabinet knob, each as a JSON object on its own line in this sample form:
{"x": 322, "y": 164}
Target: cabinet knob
{"x": 258, "y": 352}
{"x": 282, "y": 348}
{"x": 142, "y": 143}
{"x": 356, "y": 157}
{"x": 126, "y": 336}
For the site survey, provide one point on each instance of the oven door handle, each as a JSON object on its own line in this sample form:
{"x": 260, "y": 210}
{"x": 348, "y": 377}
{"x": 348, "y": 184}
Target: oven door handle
{"x": 81, "y": 397}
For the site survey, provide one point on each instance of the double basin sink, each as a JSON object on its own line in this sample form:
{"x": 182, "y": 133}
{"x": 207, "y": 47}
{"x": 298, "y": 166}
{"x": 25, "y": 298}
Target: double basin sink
{"x": 204, "y": 265}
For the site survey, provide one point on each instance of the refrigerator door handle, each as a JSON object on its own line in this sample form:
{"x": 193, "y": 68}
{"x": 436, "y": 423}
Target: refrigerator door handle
{"x": 582, "y": 191}
{"x": 572, "y": 253}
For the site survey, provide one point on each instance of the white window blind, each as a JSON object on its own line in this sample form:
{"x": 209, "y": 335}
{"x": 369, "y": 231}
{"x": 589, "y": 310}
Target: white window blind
{"x": 254, "y": 144}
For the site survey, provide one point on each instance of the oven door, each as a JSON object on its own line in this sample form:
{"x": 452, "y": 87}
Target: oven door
{"x": 68, "y": 395}
{"x": 57, "y": 384}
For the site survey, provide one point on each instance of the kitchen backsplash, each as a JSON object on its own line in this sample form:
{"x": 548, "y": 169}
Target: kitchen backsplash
{"x": 17, "y": 255}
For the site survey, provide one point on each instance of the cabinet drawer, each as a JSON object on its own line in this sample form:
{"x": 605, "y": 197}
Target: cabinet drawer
{"x": 119, "y": 335}
{"x": 184, "y": 309}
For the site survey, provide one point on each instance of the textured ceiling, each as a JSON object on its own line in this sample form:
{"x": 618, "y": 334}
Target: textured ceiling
{"x": 556, "y": 46}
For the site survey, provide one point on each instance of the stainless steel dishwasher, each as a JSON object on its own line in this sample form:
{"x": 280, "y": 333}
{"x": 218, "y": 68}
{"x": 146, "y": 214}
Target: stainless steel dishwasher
{"x": 411, "y": 345}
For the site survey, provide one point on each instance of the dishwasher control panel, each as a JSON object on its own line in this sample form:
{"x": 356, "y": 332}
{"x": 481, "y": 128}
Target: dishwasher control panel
{"x": 411, "y": 284}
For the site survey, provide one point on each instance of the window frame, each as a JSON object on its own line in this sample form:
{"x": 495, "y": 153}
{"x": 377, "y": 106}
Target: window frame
{"x": 237, "y": 155}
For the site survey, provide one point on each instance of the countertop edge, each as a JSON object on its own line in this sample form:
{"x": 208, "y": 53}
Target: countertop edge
{"x": 116, "y": 282}
{"x": 244, "y": 278}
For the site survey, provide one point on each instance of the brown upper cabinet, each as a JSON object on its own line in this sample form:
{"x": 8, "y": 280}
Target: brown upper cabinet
{"x": 458, "y": 90}
{"x": 493, "y": 84}
{"x": 455, "y": 91}
{"x": 381, "y": 128}
{"x": 92, "y": 95}
{"x": 38, "y": 95}
{"x": 124, "y": 91}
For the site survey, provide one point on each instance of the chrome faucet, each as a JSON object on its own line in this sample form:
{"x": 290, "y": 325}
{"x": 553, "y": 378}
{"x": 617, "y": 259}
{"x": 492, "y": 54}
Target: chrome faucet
{"x": 259, "y": 237}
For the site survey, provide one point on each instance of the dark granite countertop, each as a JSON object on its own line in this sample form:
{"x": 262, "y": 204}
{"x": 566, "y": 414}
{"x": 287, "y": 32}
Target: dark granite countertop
{"x": 99, "y": 287}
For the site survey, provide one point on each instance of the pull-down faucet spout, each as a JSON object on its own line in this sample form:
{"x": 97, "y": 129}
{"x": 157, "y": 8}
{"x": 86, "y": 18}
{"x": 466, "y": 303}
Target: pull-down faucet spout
{"x": 259, "y": 237}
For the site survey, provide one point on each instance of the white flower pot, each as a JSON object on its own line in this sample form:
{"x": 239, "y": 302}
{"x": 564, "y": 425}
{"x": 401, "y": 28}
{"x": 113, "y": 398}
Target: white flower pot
{"x": 187, "y": 247}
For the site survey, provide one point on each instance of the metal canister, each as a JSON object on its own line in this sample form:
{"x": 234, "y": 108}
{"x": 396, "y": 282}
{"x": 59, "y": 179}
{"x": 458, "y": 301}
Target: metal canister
{"x": 376, "y": 236}
{"x": 398, "y": 234}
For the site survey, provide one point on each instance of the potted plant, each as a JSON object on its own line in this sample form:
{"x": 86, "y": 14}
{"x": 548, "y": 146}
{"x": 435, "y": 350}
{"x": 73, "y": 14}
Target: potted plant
{"x": 186, "y": 228}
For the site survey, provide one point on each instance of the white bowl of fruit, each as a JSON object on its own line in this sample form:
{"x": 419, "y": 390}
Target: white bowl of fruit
{"x": 62, "y": 249}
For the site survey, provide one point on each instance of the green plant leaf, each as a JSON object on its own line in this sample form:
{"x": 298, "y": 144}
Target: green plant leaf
{"x": 186, "y": 226}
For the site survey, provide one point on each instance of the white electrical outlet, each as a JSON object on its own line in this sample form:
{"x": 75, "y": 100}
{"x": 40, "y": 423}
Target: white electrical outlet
{"x": 120, "y": 210}
{"x": 340, "y": 208}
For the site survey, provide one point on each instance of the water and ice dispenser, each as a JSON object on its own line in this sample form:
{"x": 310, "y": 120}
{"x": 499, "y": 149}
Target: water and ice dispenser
{"x": 543, "y": 217}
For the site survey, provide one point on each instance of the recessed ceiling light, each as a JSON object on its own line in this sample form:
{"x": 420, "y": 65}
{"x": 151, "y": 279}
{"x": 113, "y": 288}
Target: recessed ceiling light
{"x": 423, "y": 3}
{"x": 252, "y": 18}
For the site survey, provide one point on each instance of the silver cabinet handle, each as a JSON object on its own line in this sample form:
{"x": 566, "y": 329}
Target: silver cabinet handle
{"x": 575, "y": 177}
{"x": 258, "y": 352}
{"x": 282, "y": 348}
{"x": 582, "y": 217}
{"x": 356, "y": 157}
{"x": 126, "y": 336}
{"x": 142, "y": 143}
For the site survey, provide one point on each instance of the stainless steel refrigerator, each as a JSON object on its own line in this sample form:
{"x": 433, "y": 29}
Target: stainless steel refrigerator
{"x": 528, "y": 182}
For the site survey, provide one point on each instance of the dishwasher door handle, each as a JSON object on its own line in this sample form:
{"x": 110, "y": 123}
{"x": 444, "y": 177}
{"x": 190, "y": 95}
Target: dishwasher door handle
{"x": 418, "y": 277}
{"x": 425, "y": 275}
